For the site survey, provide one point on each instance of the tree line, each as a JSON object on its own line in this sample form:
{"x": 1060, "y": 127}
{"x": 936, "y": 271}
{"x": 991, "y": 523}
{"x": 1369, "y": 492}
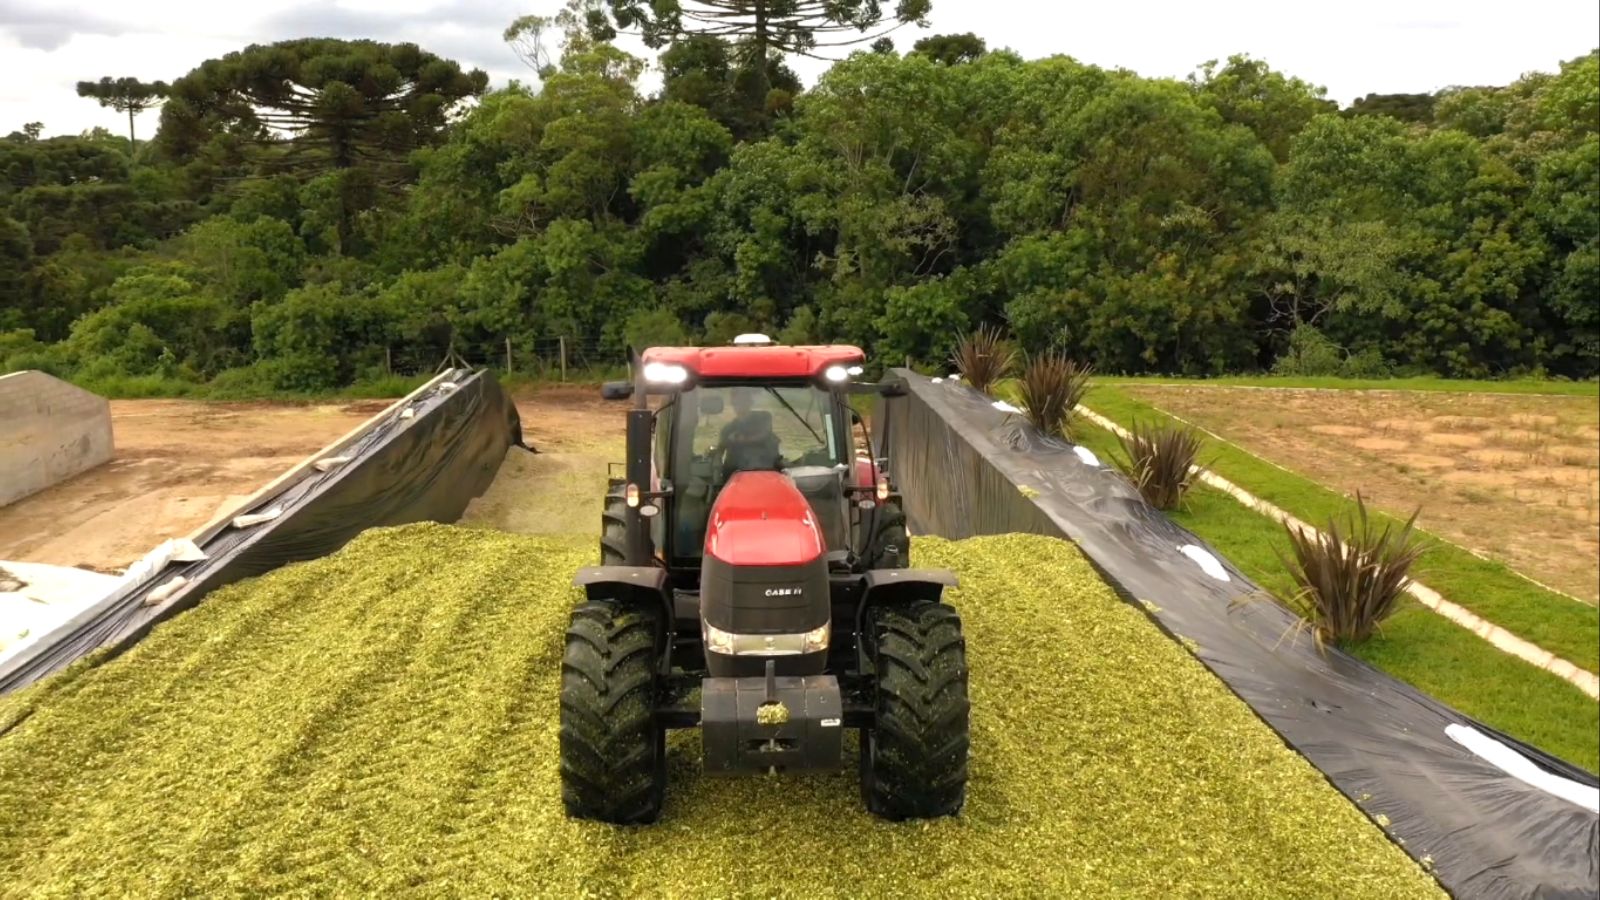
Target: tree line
{"x": 306, "y": 207}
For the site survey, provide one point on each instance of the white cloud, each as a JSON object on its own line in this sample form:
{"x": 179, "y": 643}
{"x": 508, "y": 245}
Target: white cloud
{"x": 1353, "y": 48}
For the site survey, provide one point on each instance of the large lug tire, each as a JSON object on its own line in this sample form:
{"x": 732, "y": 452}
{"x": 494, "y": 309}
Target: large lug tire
{"x": 891, "y": 542}
{"x": 914, "y": 758}
{"x": 613, "y": 754}
{"x": 614, "y": 526}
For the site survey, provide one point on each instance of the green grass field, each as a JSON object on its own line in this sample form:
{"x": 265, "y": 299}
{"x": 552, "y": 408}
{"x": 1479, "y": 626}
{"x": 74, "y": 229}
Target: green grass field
{"x": 1416, "y": 645}
{"x": 1418, "y": 383}
{"x": 384, "y": 721}
{"x": 140, "y": 387}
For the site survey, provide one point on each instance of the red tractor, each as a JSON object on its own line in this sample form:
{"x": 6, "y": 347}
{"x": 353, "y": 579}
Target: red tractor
{"x": 753, "y": 583}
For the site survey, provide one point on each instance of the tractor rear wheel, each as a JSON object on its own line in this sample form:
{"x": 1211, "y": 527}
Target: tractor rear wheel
{"x": 891, "y": 542}
{"x": 914, "y": 758}
{"x": 614, "y": 526}
{"x": 613, "y": 754}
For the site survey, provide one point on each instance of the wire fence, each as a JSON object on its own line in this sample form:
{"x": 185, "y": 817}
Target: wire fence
{"x": 557, "y": 358}
{"x": 552, "y": 358}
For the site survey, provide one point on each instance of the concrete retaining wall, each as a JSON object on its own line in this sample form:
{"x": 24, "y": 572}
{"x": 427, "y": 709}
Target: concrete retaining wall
{"x": 49, "y": 431}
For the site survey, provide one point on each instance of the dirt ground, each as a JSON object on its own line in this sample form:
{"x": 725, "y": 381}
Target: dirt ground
{"x": 177, "y": 464}
{"x": 1516, "y": 478}
{"x": 559, "y": 489}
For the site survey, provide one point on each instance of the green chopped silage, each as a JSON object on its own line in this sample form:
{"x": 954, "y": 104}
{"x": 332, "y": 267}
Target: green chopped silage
{"x": 383, "y": 721}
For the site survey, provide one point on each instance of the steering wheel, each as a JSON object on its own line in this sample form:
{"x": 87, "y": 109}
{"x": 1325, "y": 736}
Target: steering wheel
{"x": 727, "y": 462}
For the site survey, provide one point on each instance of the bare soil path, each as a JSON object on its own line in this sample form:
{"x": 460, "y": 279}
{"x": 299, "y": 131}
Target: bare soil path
{"x": 177, "y": 463}
{"x": 1516, "y": 478}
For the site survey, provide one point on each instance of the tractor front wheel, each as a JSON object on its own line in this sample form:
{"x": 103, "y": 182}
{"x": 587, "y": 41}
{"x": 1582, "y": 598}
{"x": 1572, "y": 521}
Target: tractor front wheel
{"x": 613, "y": 754}
{"x": 914, "y": 758}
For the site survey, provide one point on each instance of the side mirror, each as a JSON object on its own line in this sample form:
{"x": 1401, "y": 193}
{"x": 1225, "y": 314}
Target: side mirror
{"x": 711, "y": 405}
{"x": 616, "y": 390}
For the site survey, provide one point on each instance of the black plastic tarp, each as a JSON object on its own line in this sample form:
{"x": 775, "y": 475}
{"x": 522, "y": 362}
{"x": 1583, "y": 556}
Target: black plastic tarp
{"x": 425, "y": 460}
{"x": 962, "y": 462}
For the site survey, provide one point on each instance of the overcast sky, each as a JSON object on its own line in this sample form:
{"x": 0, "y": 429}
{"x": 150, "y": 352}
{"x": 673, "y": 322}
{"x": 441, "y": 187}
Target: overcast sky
{"x": 1351, "y": 48}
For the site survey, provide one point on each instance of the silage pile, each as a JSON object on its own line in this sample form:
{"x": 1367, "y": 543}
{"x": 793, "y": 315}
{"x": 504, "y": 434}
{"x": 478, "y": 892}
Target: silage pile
{"x": 384, "y": 721}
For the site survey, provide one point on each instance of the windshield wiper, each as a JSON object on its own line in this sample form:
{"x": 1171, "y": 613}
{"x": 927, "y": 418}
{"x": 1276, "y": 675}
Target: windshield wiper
{"x": 796, "y": 414}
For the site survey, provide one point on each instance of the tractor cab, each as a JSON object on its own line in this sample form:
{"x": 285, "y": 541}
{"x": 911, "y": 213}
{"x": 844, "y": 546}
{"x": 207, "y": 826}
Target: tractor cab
{"x": 752, "y": 407}
{"x": 710, "y": 433}
{"x": 753, "y": 584}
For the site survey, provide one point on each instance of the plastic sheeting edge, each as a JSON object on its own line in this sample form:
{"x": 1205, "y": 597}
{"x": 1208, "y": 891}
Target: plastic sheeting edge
{"x": 426, "y": 458}
{"x": 1489, "y": 834}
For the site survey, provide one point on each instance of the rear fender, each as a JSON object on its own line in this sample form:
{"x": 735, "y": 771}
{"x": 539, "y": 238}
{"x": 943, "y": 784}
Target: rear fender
{"x": 897, "y": 586}
{"x": 642, "y": 585}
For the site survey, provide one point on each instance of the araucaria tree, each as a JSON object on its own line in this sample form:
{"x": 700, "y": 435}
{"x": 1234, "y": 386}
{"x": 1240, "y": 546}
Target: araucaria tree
{"x": 760, "y": 28}
{"x": 319, "y": 105}
{"x": 125, "y": 95}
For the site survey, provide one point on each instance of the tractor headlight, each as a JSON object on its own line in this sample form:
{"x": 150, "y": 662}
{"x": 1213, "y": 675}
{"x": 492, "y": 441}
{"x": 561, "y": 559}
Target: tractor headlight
{"x": 665, "y": 373}
{"x": 730, "y": 644}
{"x": 718, "y": 641}
{"x": 836, "y": 374}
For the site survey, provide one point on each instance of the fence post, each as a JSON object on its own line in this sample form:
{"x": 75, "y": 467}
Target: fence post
{"x": 508, "y": 354}
{"x": 563, "y": 350}
{"x": 388, "y": 360}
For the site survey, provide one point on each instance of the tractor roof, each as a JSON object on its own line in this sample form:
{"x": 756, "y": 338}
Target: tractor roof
{"x": 756, "y": 361}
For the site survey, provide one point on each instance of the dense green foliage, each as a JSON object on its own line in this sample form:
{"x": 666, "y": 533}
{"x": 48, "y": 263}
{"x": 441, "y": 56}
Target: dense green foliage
{"x": 319, "y": 211}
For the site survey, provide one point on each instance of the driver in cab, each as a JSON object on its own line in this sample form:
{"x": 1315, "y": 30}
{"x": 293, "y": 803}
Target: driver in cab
{"x": 748, "y": 441}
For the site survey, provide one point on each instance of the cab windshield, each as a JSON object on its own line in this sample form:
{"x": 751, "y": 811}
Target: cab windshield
{"x": 719, "y": 430}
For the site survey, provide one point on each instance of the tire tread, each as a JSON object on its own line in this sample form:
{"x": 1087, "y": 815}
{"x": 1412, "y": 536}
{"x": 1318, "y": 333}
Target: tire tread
{"x": 916, "y": 766}
{"x": 611, "y": 749}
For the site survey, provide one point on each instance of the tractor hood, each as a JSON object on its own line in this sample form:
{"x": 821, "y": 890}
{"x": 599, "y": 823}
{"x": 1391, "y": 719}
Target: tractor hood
{"x": 764, "y": 580}
{"x": 762, "y": 519}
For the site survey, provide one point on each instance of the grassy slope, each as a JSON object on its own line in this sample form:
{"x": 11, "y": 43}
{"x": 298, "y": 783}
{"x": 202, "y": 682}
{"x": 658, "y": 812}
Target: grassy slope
{"x": 1557, "y": 623}
{"x": 1420, "y": 383}
{"x": 384, "y": 721}
{"x": 1417, "y": 645}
